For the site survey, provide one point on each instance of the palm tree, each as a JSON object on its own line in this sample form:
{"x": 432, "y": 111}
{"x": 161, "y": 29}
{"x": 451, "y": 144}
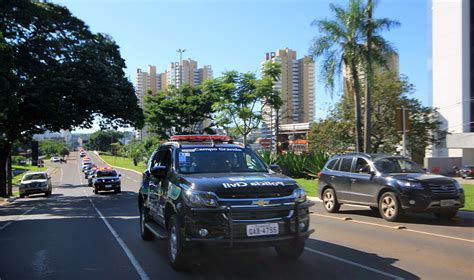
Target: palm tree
{"x": 342, "y": 43}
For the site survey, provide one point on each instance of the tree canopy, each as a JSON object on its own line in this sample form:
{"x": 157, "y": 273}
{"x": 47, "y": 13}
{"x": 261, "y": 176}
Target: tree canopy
{"x": 56, "y": 74}
{"x": 342, "y": 43}
{"x": 177, "y": 110}
{"x": 241, "y": 95}
{"x": 335, "y": 133}
{"x": 102, "y": 140}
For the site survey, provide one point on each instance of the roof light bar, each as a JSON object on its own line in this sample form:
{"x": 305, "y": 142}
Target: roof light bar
{"x": 201, "y": 138}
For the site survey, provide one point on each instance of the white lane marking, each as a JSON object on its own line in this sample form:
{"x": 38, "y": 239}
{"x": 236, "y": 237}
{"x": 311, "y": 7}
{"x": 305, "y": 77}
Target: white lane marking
{"x": 9, "y": 223}
{"x": 354, "y": 264}
{"x": 61, "y": 179}
{"x": 122, "y": 244}
{"x": 397, "y": 227}
{"x": 119, "y": 240}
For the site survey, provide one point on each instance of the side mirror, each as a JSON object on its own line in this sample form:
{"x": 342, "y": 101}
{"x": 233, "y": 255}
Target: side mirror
{"x": 19, "y": 180}
{"x": 365, "y": 169}
{"x": 159, "y": 172}
{"x": 120, "y": 175}
{"x": 275, "y": 167}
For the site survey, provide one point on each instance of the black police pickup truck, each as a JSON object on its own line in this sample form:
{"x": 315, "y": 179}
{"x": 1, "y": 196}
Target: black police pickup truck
{"x": 204, "y": 189}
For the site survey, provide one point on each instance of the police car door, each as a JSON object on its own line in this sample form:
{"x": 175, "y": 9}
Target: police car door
{"x": 163, "y": 186}
{"x": 154, "y": 186}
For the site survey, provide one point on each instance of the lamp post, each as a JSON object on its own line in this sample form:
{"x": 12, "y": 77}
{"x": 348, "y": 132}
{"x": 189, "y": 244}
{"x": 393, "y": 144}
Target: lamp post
{"x": 180, "y": 51}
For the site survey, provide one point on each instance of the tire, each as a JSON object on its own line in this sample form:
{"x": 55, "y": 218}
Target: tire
{"x": 96, "y": 191}
{"x": 290, "y": 251}
{"x": 389, "y": 207}
{"x": 118, "y": 190}
{"x": 145, "y": 233}
{"x": 446, "y": 214}
{"x": 22, "y": 196}
{"x": 330, "y": 201}
{"x": 177, "y": 253}
{"x": 48, "y": 193}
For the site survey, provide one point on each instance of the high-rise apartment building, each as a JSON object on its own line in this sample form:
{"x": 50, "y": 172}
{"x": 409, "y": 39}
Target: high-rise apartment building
{"x": 176, "y": 75}
{"x": 296, "y": 86}
{"x": 452, "y": 76}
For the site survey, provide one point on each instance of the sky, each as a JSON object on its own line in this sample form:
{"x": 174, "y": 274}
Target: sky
{"x": 236, "y": 34}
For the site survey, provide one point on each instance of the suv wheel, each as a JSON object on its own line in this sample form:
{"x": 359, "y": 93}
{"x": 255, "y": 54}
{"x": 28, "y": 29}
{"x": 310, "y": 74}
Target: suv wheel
{"x": 96, "y": 191}
{"x": 291, "y": 250}
{"x": 330, "y": 201}
{"x": 144, "y": 231}
{"x": 446, "y": 214}
{"x": 177, "y": 254}
{"x": 22, "y": 196}
{"x": 389, "y": 207}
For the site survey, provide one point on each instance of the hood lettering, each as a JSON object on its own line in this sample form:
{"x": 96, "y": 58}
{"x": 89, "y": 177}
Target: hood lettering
{"x": 252, "y": 184}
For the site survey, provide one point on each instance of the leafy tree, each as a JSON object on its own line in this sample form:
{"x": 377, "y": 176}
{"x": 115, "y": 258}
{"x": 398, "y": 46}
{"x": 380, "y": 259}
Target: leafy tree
{"x": 177, "y": 110}
{"x": 239, "y": 94}
{"x": 53, "y": 148}
{"x": 389, "y": 92}
{"x": 56, "y": 74}
{"x": 103, "y": 140}
{"x": 342, "y": 42}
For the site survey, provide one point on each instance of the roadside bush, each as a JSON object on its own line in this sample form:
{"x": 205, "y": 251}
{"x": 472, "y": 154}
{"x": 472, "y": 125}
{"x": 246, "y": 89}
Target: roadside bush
{"x": 315, "y": 161}
{"x": 18, "y": 160}
{"x": 306, "y": 165}
{"x": 268, "y": 157}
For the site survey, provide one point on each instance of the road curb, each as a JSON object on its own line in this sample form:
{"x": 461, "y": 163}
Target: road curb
{"x": 97, "y": 154}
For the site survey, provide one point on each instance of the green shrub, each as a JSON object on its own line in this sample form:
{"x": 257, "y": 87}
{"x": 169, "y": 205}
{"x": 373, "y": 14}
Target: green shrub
{"x": 315, "y": 161}
{"x": 18, "y": 159}
{"x": 268, "y": 157}
{"x": 292, "y": 164}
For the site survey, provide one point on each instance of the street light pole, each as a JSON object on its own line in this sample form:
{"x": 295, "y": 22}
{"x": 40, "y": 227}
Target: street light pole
{"x": 181, "y": 51}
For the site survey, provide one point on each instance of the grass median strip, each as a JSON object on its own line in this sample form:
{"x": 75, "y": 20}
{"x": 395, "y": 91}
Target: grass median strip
{"x": 123, "y": 162}
{"x": 469, "y": 193}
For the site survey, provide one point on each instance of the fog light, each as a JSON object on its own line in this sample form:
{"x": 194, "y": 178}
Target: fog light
{"x": 302, "y": 226}
{"x": 203, "y": 232}
{"x": 412, "y": 202}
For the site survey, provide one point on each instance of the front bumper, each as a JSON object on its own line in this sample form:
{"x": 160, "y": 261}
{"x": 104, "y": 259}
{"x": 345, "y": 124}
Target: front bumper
{"x": 107, "y": 186}
{"x": 225, "y": 226}
{"x": 421, "y": 202}
{"x": 35, "y": 190}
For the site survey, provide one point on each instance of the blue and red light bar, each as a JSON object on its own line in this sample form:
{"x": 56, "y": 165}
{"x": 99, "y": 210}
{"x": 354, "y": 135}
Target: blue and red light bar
{"x": 201, "y": 138}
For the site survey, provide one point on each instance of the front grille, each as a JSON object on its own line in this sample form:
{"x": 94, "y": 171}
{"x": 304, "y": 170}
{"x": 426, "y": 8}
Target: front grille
{"x": 249, "y": 215}
{"x": 273, "y": 194}
{"x": 443, "y": 189}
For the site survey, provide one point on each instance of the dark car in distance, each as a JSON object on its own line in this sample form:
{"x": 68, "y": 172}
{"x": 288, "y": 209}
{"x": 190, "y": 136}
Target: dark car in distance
{"x": 105, "y": 179}
{"x": 203, "y": 190}
{"x": 391, "y": 184}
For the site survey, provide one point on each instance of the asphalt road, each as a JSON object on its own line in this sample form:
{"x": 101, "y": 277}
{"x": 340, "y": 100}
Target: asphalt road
{"x": 75, "y": 234}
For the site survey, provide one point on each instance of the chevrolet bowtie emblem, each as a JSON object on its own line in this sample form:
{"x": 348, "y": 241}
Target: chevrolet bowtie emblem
{"x": 260, "y": 202}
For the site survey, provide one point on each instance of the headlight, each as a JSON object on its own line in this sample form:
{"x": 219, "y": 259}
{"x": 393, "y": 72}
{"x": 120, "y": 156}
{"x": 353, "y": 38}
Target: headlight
{"x": 44, "y": 184}
{"x": 300, "y": 195}
{"x": 410, "y": 184}
{"x": 458, "y": 186}
{"x": 200, "y": 199}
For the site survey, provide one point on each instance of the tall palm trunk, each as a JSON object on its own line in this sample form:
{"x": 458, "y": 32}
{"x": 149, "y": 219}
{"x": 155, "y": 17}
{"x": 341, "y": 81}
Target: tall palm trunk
{"x": 368, "y": 84}
{"x": 357, "y": 111}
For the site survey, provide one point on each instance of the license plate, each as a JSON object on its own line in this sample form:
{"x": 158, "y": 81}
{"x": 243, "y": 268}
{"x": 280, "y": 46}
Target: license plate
{"x": 108, "y": 186}
{"x": 447, "y": 202}
{"x": 262, "y": 229}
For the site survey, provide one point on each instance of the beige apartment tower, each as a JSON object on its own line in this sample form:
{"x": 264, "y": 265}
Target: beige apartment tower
{"x": 296, "y": 86}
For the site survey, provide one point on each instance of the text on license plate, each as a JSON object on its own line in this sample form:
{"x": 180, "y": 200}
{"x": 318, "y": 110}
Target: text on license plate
{"x": 108, "y": 186}
{"x": 262, "y": 229}
{"x": 448, "y": 202}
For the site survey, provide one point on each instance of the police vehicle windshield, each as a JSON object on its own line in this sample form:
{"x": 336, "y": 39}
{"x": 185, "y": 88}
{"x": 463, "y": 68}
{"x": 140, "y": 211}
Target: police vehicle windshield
{"x": 106, "y": 173}
{"x": 218, "y": 160}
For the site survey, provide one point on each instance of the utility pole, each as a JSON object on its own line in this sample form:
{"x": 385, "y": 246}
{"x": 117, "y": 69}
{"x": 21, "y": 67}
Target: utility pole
{"x": 368, "y": 82}
{"x": 181, "y": 51}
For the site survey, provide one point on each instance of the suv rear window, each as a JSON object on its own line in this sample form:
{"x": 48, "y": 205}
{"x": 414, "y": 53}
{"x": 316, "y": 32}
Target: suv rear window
{"x": 332, "y": 164}
{"x": 346, "y": 165}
